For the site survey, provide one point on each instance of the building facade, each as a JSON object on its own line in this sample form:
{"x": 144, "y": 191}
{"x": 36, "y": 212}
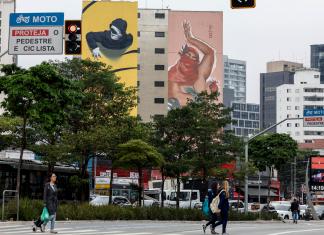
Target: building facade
{"x": 268, "y": 97}
{"x": 235, "y": 78}
{"x": 6, "y": 7}
{"x": 153, "y": 63}
{"x": 292, "y": 99}
{"x": 282, "y": 65}
{"x": 317, "y": 59}
{"x": 246, "y": 119}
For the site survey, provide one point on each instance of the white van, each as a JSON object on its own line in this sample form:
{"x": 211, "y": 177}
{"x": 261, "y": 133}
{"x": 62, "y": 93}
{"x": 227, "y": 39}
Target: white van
{"x": 188, "y": 199}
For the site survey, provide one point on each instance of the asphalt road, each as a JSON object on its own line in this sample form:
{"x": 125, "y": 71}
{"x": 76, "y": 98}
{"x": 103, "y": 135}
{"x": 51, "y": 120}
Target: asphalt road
{"x": 165, "y": 228}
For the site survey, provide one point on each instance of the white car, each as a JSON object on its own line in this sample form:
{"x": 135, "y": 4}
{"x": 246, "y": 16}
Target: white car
{"x": 116, "y": 200}
{"x": 236, "y": 205}
{"x": 283, "y": 210}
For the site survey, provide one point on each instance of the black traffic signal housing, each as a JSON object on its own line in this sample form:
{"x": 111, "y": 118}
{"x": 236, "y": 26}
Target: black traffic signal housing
{"x": 73, "y": 37}
{"x": 238, "y": 4}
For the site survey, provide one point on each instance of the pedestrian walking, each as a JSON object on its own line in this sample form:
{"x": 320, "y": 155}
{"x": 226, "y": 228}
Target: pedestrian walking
{"x": 294, "y": 207}
{"x": 212, "y": 193}
{"x": 223, "y": 206}
{"x": 51, "y": 202}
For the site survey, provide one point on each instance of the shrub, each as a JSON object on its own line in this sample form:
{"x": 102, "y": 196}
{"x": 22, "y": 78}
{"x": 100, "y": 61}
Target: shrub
{"x": 31, "y": 209}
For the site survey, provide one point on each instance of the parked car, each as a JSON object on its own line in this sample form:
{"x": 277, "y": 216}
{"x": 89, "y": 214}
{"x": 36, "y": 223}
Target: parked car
{"x": 188, "y": 199}
{"x": 283, "y": 210}
{"x": 319, "y": 209}
{"x": 236, "y": 205}
{"x": 116, "y": 200}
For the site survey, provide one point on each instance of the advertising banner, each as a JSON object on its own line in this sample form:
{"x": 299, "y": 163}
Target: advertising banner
{"x": 317, "y": 173}
{"x": 109, "y": 35}
{"x": 195, "y": 57}
{"x": 313, "y": 118}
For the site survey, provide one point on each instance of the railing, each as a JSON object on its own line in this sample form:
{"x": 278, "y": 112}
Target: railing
{"x": 10, "y": 197}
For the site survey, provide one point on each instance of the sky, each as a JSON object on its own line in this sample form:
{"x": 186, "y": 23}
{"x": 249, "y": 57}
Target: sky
{"x": 274, "y": 30}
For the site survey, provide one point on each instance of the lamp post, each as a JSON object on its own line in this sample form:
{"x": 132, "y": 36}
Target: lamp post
{"x": 247, "y": 140}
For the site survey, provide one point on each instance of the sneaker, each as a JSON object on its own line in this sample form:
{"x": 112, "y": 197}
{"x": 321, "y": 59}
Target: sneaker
{"x": 53, "y": 231}
{"x": 212, "y": 231}
{"x": 42, "y": 228}
{"x": 204, "y": 228}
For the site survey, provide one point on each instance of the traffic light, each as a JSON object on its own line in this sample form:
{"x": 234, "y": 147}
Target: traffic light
{"x": 73, "y": 37}
{"x": 238, "y": 4}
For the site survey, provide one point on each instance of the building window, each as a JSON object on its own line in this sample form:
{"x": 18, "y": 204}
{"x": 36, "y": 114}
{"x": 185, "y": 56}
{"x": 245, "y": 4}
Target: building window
{"x": 138, "y": 50}
{"x": 138, "y": 83}
{"x": 245, "y": 115}
{"x": 288, "y": 115}
{"x": 248, "y": 124}
{"x": 159, "y": 67}
{"x": 159, "y": 51}
{"x": 236, "y": 114}
{"x": 288, "y": 99}
{"x": 159, "y": 83}
{"x": 288, "y": 124}
{"x": 297, "y": 108}
{"x": 158, "y": 116}
{"x": 138, "y": 99}
{"x": 288, "y": 90}
{"x": 159, "y": 100}
{"x": 159, "y": 34}
{"x": 316, "y": 76}
{"x": 138, "y": 67}
{"x": 297, "y": 125}
{"x": 138, "y": 15}
{"x": 159, "y": 15}
{"x": 241, "y": 123}
{"x": 308, "y": 141}
{"x": 138, "y": 33}
{"x": 288, "y": 107}
{"x": 297, "y": 90}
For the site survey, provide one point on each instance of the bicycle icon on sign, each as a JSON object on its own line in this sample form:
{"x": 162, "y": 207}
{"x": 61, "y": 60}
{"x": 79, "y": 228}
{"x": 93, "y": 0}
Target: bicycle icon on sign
{"x": 22, "y": 19}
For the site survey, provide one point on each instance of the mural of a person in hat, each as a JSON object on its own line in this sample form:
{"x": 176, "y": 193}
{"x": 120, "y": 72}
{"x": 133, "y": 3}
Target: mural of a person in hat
{"x": 191, "y": 73}
{"x": 111, "y": 43}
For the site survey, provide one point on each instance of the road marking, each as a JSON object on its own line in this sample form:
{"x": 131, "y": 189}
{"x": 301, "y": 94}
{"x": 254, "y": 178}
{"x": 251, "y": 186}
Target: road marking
{"x": 79, "y": 231}
{"x": 295, "y": 231}
{"x": 104, "y": 233}
{"x": 11, "y": 226}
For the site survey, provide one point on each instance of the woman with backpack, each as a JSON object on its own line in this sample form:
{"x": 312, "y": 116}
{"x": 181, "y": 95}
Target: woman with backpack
{"x": 223, "y": 206}
{"x": 212, "y": 193}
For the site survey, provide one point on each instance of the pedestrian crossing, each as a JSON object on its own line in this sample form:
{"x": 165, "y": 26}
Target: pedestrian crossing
{"x": 27, "y": 230}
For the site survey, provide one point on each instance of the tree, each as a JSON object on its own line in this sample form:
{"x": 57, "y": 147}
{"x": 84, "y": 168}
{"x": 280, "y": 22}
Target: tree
{"x": 104, "y": 108}
{"x": 272, "y": 150}
{"x": 137, "y": 154}
{"x": 34, "y": 96}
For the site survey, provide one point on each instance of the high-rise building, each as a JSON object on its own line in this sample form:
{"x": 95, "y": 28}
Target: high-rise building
{"x": 292, "y": 99}
{"x": 153, "y": 63}
{"x": 6, "y": 7}
{"x": 282, "y": 65}
{"x": 165, "y": 54}
{"x": 317, "y": 59}
{"x": 268, "y": 97}
{"x": 235, "y": 78}
{"x": 246, "y": 119}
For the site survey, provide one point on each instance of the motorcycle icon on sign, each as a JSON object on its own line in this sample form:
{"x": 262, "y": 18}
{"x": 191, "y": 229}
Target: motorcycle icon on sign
{"x": 22, "y": 19}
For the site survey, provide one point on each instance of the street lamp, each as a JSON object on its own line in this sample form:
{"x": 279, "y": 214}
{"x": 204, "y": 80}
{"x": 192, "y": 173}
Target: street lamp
{"x": 247, "y": 140}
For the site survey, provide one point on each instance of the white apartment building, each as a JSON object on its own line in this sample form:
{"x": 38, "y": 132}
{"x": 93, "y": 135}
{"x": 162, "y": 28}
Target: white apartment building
{"x": 292, "y": 99}
{"x": 6, "y": 7}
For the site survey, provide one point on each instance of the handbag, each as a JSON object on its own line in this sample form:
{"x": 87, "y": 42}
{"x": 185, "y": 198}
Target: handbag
{"x": 214, "y": 205}
{"x": 45, "y": 215}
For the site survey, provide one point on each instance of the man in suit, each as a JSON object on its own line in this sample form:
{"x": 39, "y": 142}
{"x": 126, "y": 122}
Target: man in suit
{"x": 51, "y": 202}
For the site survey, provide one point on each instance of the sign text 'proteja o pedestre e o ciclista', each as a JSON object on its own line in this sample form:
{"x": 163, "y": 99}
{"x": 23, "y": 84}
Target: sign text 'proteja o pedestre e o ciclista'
{"x": 36, "y": 33}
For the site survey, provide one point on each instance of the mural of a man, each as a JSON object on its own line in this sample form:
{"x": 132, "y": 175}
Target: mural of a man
{"x": 190, "y": 75}
{"x": 116, "y": 38}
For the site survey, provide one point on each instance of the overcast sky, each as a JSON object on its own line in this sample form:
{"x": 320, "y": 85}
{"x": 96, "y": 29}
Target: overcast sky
{"x": 275, "y": 29}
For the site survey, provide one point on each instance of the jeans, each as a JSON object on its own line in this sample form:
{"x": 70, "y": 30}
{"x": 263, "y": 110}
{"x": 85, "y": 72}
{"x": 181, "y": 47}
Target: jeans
{"x": 52, "y": 218}
{"x": 223, "y": 222}
{"x": 295, "y": 215}
{"x": 212, "y": 220}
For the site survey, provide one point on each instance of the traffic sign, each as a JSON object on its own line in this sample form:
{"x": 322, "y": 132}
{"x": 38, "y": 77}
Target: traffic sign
{"x": 36, "y": 33}
{"x": 238, "y": 4}
{"x": 313, "y": 118}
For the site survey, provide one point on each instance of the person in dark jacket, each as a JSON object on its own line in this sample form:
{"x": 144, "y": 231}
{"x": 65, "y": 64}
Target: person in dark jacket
{"x": 212, "y": 193}
{"x": 223, "y": 206}
{"x": 294, "y": 207}
{"x": 51, "y": 202}
{"x": 116, "y": 38}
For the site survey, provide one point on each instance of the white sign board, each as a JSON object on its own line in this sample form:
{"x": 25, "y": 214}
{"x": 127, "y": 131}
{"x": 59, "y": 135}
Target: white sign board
{"x": 36, "y": 33}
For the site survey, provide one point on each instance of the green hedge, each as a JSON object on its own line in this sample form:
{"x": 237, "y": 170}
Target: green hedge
{"x": 31, "y": 209}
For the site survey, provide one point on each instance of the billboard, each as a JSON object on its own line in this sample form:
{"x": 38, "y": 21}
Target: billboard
{"x": 317, "y": 173}
{"x": 109, "y": 35}
{"x": 195, "y": 57}
{"x": 313, "y": 118}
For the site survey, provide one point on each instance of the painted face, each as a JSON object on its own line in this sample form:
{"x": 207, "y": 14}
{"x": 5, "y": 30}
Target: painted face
{"x": 189, "y": 63}
{"x": 115, "y": 33}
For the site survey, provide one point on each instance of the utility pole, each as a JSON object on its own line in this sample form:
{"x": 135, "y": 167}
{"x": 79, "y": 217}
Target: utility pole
{"x": 247, "y": 140}
{"x": 308, "y": 194}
